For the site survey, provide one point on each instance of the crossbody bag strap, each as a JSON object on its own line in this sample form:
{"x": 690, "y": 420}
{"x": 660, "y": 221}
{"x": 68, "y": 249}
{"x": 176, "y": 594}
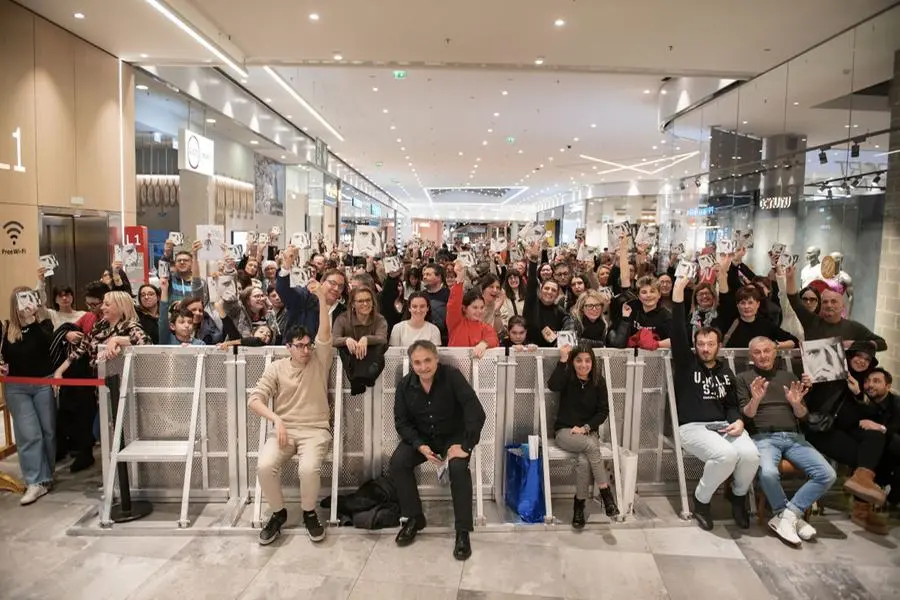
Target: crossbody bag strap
{"x": 730, "y": 332}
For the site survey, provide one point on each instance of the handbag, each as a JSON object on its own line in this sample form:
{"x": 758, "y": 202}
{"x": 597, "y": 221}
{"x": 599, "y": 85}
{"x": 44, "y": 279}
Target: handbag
{"x": 524, "y": 485}
{"x": 822, "y": 420}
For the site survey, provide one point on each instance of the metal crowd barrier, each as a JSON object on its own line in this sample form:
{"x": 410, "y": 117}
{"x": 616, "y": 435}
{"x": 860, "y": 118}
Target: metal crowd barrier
{"x": 163, "y": 390}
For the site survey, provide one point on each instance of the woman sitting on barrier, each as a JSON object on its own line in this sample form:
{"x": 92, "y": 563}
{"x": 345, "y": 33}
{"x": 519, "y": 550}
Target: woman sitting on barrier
{"x": 583, "y": 408}
{"x": 360, "y": 334}
{"x": 587, "y": 320}
{"x": 417, "y": 325}
{"x": 465, "y": 314}
{"x": 25, "y": 351}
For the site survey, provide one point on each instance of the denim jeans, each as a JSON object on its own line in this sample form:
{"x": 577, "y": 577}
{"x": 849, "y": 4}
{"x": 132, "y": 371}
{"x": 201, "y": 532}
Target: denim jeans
{"x": 793, "y": 447}
{"x": 722, "y": 455}
{"x": 33, "y": 411}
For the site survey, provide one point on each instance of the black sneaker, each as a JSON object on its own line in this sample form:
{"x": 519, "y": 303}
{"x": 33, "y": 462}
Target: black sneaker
{"x": 740, "y": 512}
{"x": 313, "y": 526}
{"x": 578, "y": 519}
{"x": 609, "y": 503}
{"x": 272, "y": 529}
{"x": 703, "y": 515}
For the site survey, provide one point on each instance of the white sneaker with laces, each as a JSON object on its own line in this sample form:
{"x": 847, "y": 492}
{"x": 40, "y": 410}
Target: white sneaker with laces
{"x": 785, "y": 527}
{"x": 805, "y": 530}
{"x": 32, "y": 493}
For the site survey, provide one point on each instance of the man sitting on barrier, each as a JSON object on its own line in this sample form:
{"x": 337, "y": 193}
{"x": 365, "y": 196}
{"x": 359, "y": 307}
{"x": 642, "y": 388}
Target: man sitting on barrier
{"x": 298, "y": 387}
{"x": 709, "y": 416}
{"x": 439, "y": 418}
{"x": 772, "y": 401}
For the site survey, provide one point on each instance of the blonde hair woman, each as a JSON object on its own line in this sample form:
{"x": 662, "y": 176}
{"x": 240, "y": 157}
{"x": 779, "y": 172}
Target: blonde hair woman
{"x": 118, "y": 327}
{"x": 586, "y": 318}
{"x": 25, "y": 351}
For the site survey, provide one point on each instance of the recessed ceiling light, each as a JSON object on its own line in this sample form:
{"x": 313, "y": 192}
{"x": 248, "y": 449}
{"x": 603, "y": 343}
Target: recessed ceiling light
{"x": 539, "y": 60}
{"x": 478, "y": 159}
{"x": 593, "y": 126}
{"x": 743, "y": 122}
{"x": 562, "y": 149}
{"x": 374, "y": 89}
{"x": 402, "y": 148}
{"x": 268, "y": 101}
{"x": 521, "y": 151}
{"x": 484, "y": 143}
{"x": 393, "y": 127}
{"x": 663, "y": 92}
{"x": 662, "y": 141}
{"x": 399, "y": 140}
{"x": 504, "y": 93}
{"x": 796, "y": 104}
{"x": 497, "y": 114}
{"x": 559, "y": 22}
{"x": 678, "y": 147}
{"x": 290, "y": 117}
{"x": 144, "y": 55}
{"x": 211, "y": 121}
{"x": 654, "y": 148}
{"x": 141, "y": 87}
{"x": 338, "y": 56}
{"x": 550, "y": 158}
{"x": 253, "y": 142}
{"x": 386, "y": 111}
{"x": 460, "y": 153}
{"x": 646, "y": 91}
{"x": 574, "y": 139}
{"x": 78, "y": 15}
{"x": 305, "y": 128}
{"x": 313, "y": 16}
{"x": 490, "y": 131}
{"x": 283, "y": 157}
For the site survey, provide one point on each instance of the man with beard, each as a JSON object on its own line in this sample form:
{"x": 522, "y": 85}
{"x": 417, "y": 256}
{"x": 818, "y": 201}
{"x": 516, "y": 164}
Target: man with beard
{"x": 709, "y": 416}
{"x": 883, "y": 412}
{"x": 301, "y": 303}
{"x": 438, "y": 295}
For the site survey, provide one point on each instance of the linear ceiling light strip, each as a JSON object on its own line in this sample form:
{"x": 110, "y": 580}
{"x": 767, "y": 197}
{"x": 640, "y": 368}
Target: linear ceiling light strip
{"x": 296, "y": 96}
{"x": 196, "y": 35}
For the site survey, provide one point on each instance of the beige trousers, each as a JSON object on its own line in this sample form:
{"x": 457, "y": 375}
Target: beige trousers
{"x": 311, "y": 444}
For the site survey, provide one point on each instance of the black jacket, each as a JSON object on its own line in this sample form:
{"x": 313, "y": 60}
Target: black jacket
{"x": 702, "y": 394}
{"x": 539, "y": 315}
{"x": 450, "y": 412}
{"x": 578, "y": 406}
{"x": 659, "y": 320}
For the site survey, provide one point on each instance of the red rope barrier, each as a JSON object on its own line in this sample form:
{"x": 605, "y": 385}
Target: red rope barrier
{"x": 54, "y": 381}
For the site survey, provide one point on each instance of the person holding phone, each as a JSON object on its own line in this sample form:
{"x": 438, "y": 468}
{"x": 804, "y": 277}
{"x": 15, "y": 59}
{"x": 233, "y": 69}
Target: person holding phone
{"x": 709, "y": 416}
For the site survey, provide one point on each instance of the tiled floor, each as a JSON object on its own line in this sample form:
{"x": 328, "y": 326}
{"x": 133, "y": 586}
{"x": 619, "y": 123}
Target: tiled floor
{"x": 661, "y": 558}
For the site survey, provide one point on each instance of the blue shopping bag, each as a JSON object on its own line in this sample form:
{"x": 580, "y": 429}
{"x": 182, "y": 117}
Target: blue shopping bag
{"x": 524, "y": 484}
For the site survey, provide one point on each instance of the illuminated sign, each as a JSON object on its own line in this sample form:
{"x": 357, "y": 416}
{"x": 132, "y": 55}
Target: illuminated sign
{"x": 196, "y": 153}
{"x": 775, "y": 202}
{"x": 18, "y": 167}
{"x": 701, "y": 211}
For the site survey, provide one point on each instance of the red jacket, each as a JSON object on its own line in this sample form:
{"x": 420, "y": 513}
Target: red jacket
{"x": 465, "y": 332}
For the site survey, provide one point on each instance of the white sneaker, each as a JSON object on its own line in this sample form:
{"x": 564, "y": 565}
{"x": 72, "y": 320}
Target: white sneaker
{"x": 33, "y": 492}
{"x": 805, "y": 530}
{"x": 785, "y": 527}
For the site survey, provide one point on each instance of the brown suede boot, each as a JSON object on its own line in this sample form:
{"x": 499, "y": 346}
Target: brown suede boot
{"x": 862, "y": 485}
{"x": 863, "y": 515}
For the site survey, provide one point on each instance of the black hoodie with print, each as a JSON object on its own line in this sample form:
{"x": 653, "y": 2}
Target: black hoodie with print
{"x": 703, "y": 394}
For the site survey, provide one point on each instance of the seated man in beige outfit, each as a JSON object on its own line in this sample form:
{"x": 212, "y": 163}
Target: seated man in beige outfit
{"x": 298, "y": 387}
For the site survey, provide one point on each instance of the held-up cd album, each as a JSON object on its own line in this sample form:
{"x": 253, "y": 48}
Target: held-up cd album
{"x": 566, "y": 338}
{"x": 516, "y": 254}
{"x": 127, "y": 255}
{"x": 777, "y": 249}
{"x": 301, "y": 240}
{"x": 262, "y": 239}
{"x": 391, "y": 264}
{"x": 366, "y": 241}
{"x": 532, "y": 233}
{"x": 498, "y": 245}
{"x": 29, "y": 300}
{"x": 743, "y": 239}
{"x": 212, "y": 238}
{"x": 467, "y": 259}
{"x": 725, "y": 246}
{"x": 176, "y": 237}
{"x": 49, "y": 264}
{"x": 234, "y": 253}
{"x": 824, "y": 359}
{"x": 686, "y": 270}
{"x": 162, "y": 270}
{"x": 301, "y": 276}
{"x": 706, "y": 261}
{"x": 646, "y": 235}
{"x": 788, "y": 260}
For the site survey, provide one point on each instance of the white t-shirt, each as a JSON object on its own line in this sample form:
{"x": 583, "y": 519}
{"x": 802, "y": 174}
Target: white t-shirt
{"x": 403, "y": 334}
{"x": 810, "y": 273}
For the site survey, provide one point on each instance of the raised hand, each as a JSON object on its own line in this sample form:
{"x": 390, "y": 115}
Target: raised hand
{"x": 564, "y": 352}
{"x": 759, "y": 387}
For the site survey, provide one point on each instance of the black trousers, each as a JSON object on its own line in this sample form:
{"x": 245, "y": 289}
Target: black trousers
{"x": 857, "y": 448}
{"x": 888, "y": 471}
{"x": 402, "y": 467}
{"x": 75, "y": 420}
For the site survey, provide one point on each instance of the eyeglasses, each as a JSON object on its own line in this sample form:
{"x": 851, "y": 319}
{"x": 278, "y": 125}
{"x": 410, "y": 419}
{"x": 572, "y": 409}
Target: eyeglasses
{"x": 93, "y": 304}
{"x": 809, "y": 299}
{"x": 183, "y": 260}
{"x": 593, "y": 306}
{"x": 363, "y": 302}
{"x": 302, "y": 347}
{"x": 145, "y": 295}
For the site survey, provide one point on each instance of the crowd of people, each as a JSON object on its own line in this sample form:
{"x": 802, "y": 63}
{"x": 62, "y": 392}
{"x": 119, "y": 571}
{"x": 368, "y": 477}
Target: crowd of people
{"x": 520, "y": 298}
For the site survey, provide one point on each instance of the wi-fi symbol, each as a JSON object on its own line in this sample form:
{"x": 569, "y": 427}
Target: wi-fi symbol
{"x": 13, "y": 229}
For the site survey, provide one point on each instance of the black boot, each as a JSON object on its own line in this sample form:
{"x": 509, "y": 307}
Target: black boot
{"x": 463, "y": 548}
{"x": 740, "y": 512}
{"x": 703, "y": 514}
{"x": 578, "y": 514}
{"x": 609, "y": 502}
{"x": 408, "y": 531}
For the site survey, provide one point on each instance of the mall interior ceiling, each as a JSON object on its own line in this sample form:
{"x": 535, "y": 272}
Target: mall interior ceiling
{"x": 468, "y": 102}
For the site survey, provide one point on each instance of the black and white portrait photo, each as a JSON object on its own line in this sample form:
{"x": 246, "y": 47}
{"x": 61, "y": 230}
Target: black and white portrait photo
{"x": 824, "y": 360}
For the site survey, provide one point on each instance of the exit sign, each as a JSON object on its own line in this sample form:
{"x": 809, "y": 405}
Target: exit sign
{"x": 379, "y": 164}
{"x": 399, "y": 74}
{"x": 510, "y": 140}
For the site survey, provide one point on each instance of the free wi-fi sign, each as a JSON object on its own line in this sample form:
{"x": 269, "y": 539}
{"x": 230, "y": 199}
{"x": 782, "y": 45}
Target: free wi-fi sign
{"x": 13, "y": 232}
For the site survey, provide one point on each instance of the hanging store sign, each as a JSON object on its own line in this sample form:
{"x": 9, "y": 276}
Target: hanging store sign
{"x": 321, "y": 157}
{"x": 775, "y": 202}
{"x": 331, "y": 191}
{"x": 196, "y": 153}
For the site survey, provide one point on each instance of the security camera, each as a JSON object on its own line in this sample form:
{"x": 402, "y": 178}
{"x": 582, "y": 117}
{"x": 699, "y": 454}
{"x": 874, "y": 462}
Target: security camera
{"x": 569, "y": 147}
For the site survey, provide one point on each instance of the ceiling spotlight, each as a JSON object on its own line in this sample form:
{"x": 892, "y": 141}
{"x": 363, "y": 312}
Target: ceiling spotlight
{"x": 78, "y": 15}
{"x": 539, "y": 60}
{"x": 681, "y": 185}
{"x": 399, "y": 140}
{"x": 253, "y": 142}
{"x": 490, "y": 131}
{"x": 854, "y": 150}
{"x": 211, "y": 121}
{"x": 822, "y": 187}
{"x": 313, "y": 16}
{"x": 460, "y": 153}
{"x": 496, "y": 114}
{"x": 646, "y": 91}
{"x": 385, "y": 111}
{"x": 559, "y": 22}
{"x": 141, "y": 87}
{"x": 697, "y": 181}
{"x": 484, "y": 143}
{"x": 504, "y": 93}
{"x": 796, "y": 104}
{"x": 830, "y": 194}
{"x": 521, "y": 151}
{"x": 374, "y": 89}
{"x": 663, "y": 92}
{"x": 268, "y": 101}
{"x": 877, "y": 179}
{"x": 855, "y": 181}
{"x": 823, "y": 157}
{"x": 393, "y": 127}
{"x": 144, "y": 55}
{"x": 338, "y": 56}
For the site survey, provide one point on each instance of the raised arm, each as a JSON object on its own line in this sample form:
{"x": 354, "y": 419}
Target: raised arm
{"x": 678, "y": 336}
